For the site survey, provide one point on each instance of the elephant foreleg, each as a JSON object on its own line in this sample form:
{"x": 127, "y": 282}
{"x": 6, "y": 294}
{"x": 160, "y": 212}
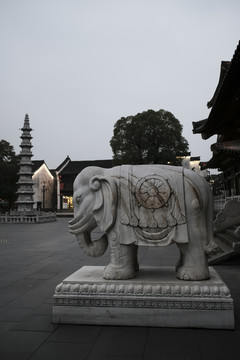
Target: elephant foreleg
{"x": 123, "y": 260}
{"x": 180, "y": 261}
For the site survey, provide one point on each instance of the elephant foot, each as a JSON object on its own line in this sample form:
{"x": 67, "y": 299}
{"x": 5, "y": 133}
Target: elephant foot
{"x": 192, "y": 273}
{"x": 112, "y": 272}
{"x": 136, "y": 267}
{"x": 178, "y": 265}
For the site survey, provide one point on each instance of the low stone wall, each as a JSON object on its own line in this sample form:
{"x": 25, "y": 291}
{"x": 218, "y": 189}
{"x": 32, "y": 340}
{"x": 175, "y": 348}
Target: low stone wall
{"x": 27, "y": 219}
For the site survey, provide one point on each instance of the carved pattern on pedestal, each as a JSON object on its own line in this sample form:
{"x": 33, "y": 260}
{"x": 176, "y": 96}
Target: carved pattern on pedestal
{"x": 138, "y": 290}
{"x": 143, "y": 303}
{"x": 194, "y": 297}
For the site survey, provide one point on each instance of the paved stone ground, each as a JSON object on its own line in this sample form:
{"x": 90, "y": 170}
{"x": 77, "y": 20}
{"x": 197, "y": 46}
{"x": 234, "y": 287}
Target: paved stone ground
{"x": 35, "y": 258}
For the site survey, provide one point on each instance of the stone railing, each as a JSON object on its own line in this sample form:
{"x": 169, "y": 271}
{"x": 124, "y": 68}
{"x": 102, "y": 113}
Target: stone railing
{"x": 27, "y": 219}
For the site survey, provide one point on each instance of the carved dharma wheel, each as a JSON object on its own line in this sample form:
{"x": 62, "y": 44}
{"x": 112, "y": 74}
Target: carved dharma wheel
{"x": 152, "y": 192}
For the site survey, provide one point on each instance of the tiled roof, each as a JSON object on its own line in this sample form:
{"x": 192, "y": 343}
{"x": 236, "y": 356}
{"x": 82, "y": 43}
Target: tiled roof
{"x": 225, "y": 154}
{"x": 229, "y": 146}
{"x": 63, "y": 163}
{"x": 37, "y": 164}
{"x": 225, "y": 102}
{"x": 74, "y": 167}
{"x": 223, "y": 72}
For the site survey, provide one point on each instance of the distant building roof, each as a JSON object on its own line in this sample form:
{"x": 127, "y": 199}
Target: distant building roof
{"x": 74, "y": 167}
{"x": 37, "y": 164}
{"x": 63, "y": 164}
{"x": 195, "y": 158}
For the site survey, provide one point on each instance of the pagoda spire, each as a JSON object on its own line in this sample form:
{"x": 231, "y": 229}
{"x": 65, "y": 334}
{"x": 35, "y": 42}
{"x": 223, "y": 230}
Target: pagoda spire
{"x": 25, "y": 183}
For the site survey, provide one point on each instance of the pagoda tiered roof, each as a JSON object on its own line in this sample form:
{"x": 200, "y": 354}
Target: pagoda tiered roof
{"x": 25, "y": 183}
{"x": 224, "y": 117}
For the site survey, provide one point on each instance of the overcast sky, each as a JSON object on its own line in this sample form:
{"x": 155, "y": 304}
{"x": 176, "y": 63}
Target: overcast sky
{"x": 77, "y": 66}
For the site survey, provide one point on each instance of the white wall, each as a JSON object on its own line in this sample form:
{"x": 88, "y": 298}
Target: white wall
{"x": 43, "y": 187}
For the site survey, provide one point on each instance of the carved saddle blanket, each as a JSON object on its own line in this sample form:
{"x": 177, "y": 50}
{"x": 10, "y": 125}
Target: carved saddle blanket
{"x": 153, "y": 203}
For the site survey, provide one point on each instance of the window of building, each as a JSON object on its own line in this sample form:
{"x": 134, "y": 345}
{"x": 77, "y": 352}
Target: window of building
{"x": 67, "y": 202}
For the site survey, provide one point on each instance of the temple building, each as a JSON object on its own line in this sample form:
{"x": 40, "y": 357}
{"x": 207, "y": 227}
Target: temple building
{"x": 224, "y": 121}
{"x": 43, "y": 186}
{"x": 66, "y": 172}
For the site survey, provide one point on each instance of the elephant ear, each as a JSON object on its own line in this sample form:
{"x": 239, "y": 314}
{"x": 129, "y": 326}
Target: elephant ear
{"x": 105, "y": 207}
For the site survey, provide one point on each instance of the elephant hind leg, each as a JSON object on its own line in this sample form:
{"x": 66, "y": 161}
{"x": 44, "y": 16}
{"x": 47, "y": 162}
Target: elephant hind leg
{"x": 135, "y": 252}
{"x": 192, "y": 264}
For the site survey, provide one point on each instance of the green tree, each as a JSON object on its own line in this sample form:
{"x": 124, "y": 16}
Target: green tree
{"x": 150, "y": 137}
{"x": 8, "y": 172}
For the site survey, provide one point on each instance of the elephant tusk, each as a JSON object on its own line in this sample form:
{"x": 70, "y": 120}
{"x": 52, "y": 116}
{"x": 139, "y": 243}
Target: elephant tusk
{"x": 80, "y": 229}
{"x": 75, "y": 219}
{"x": 78, "y": 223}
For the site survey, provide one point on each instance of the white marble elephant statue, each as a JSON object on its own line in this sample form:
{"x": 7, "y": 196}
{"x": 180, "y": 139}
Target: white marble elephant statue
{"x": 151, "y": 205}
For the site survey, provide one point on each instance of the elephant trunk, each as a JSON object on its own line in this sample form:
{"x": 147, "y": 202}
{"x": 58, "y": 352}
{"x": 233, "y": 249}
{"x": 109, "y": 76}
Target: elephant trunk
{"x": 92, "y": 248}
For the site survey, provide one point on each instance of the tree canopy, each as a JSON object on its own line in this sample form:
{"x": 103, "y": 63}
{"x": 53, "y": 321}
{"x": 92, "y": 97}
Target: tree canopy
{"x": 8, "y": 172}
{"x": 150, "y": 137}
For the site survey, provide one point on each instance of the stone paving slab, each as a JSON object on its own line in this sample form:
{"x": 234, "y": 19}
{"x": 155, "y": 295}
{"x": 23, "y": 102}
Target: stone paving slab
{"x": 35, "y": 258}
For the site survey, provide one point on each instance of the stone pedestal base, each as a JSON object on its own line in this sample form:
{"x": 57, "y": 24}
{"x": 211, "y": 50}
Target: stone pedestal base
{"x": 154, "y": 298}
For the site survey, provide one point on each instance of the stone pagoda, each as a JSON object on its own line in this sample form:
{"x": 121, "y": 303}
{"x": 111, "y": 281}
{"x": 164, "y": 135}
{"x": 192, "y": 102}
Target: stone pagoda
{"x": 25, "y": 183}
{"x": 25, "y": 212}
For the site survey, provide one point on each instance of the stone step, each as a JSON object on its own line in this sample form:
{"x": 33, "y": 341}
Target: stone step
{"x": 231, "y": 232}
{"x": 222, "y": 245}
{"x": 229, "y": 240}
{"x": 225, "y": 253}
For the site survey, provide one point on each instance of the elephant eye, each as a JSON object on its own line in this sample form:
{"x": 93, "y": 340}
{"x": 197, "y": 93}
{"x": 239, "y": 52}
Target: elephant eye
{"x": 78, "y": 199}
